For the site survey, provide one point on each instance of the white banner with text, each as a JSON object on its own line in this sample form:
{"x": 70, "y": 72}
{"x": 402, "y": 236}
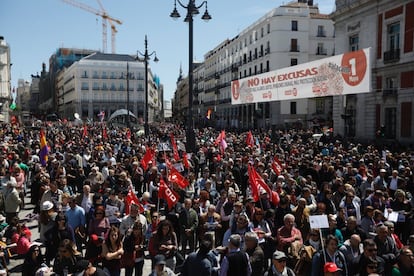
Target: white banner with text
{"x": 349, "y": 73}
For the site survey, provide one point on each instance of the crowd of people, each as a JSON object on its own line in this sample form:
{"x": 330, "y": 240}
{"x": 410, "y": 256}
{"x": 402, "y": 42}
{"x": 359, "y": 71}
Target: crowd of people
{"x": 102, "y": 207}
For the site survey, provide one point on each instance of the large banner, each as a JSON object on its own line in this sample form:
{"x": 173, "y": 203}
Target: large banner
{"x": 349, "y": 73}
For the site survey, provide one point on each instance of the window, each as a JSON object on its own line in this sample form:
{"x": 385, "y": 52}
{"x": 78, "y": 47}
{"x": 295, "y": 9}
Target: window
{"x": 393, "y": 36}
{"x": 320, "y": 105}
{"x": 294, "y": 25}
{"x": 321, "y": 31}
{"x": 95, "y": 75}
{"x": 85, "y": 74}
{"x": 294, "y": 45}
{"x": 353, "y": 43}
{"x": 293, "y": 61}
{"x": 95, "y": 86}
{"x": 85, "y": 86}
{"x": 104, "y": 76}
{"x": 267, "y": 66}
{"x": 292, "y": 107}
{"x": 321, "y": 50}
{"x": 268, "y": 28}
{"x": 113, "y": 76}
{"x": 262, "y": 32}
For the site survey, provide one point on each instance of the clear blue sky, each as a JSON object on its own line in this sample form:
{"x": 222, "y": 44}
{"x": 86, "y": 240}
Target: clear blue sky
{"x": 35, "y": 29}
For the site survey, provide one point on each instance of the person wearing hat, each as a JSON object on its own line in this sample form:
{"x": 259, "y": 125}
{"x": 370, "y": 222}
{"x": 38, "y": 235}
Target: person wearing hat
{"x": 96, "y": 179}
{"x": 331, "y": 269}
{"x": 278, "y": 267}
{"x": 236, "y": 262}
{"x": 160, "y": 268}
{"x": 12, "y": 201}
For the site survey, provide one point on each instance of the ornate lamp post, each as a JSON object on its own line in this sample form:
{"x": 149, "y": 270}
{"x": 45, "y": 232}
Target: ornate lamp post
{"x": 192, "y": 10}
{"x": 146, "y": 57}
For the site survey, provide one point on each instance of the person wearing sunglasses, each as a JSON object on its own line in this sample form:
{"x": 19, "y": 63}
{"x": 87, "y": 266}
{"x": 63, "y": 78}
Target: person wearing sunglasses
{"x": 370, "y": 251}
{"x": 405, "y": 263}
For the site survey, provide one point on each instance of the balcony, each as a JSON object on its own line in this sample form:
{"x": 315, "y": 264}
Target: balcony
{"x": 392, "y": 56}
{"x": 294, "y": 48}
{"x": 389, "y": 92}
{"x": 321, "y": 52}
{"x": 321, "y": 34}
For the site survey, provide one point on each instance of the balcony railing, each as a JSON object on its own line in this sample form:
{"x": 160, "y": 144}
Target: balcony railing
{"x": 389, "y": 92}
{"x": 321, "y": 51}
{"x": 294, "y": 48}
{"x": 392, "y": 55}
{"x": 321, "y": 34}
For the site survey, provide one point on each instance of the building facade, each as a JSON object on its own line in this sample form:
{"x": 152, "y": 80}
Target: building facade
{"x": 5, "y": 80}
{"x": 288, "y": 35}
{"x": 388, "y": 27}
{"x": 106, "y": 82}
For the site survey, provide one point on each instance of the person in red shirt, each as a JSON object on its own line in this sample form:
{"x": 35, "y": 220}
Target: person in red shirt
{"x": 288, "y": 234}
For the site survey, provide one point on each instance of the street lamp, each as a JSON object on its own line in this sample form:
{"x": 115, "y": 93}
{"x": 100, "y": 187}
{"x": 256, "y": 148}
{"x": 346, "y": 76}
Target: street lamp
{"x": 192, "y": 10}
{"x": 146, "y": 58}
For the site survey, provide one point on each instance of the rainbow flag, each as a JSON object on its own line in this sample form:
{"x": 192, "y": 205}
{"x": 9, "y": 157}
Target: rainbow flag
{"x": 44, "y": 150}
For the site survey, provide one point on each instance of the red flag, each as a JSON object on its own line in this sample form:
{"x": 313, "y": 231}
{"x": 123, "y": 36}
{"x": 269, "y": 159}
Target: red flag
{"x": 176, "y": 177}
{"x": 130, "y": 198}
{"x": 174, "y": 146}
{"x": 85, "y": 131}
{"x": 253, "y": 184}
{"x": 104, "y": 133}
{"x": 147, "y": 158}
{"x": 260, "y": 183}
{"x": 185, "y": 161}
{"x": 277, "y": 166}
{"x": 128, "y": 134}
{"x": 220, "y": 137}
{"x": 249, "y": 139}
{"x": 166, "y": 193}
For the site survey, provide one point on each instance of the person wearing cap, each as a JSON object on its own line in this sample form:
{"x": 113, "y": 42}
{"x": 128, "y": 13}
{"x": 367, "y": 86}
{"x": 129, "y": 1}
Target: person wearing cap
{"x": 12, "y": 201}
{"x": 279, "y": 267}
{"x": 160, "y": 268}
{"x": 236, "y": 262}
{"x": 331, "y": 269}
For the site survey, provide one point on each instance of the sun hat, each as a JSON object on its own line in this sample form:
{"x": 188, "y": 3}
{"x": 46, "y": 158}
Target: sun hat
{"x": 47, "y": 205}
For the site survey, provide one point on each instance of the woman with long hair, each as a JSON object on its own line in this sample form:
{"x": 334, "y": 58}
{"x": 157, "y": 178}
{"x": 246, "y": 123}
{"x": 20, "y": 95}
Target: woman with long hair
{"x": 98, "y": 229}
{"x": 134, "y": 246}
{"x": 164, "y": 242}
{"x": 54, "y": 236}
{"x": 33, "y": 260}
{"x": 112, "y": 251}
{"x": 66, "y": 259}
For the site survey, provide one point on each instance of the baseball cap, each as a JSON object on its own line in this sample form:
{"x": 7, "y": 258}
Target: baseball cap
{"x": 278, "y": 255}
{"x": 331, "y": 267}
{"x": 159, "y": 259}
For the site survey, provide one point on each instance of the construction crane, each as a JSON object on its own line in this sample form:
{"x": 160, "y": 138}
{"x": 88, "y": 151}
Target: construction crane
{"x": 105, "y": 17}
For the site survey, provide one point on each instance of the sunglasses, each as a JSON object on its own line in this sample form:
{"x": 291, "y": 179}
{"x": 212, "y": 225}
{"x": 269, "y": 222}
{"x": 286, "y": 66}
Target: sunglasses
{"x": 372, "y": 250}
{"x": 99, "y": 213}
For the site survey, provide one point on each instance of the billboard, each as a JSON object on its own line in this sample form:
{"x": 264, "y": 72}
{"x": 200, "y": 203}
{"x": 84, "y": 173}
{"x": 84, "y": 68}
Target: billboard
{"x": 349, "y": 73}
